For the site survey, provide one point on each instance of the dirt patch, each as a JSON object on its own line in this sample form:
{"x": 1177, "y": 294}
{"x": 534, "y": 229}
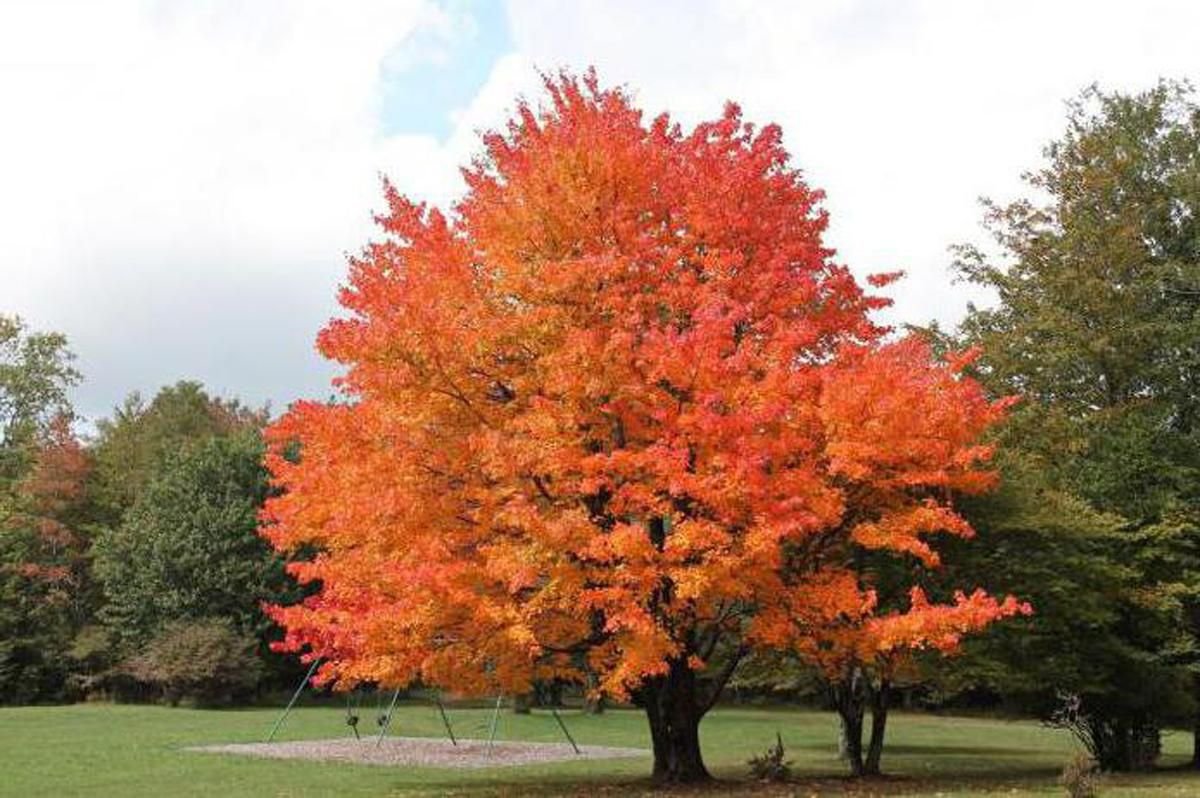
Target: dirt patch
{"x": 423, "y": 751}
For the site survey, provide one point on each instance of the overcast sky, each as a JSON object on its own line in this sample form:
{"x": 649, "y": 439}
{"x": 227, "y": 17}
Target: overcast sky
{"x": 180, "y": 181}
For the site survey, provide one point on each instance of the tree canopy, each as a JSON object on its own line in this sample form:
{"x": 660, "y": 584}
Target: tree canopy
{"x": 187, "y": 549}
{"x": 132, "y": 445}
{"x": 620, "y": 413}
{"x": 35, "y": 374}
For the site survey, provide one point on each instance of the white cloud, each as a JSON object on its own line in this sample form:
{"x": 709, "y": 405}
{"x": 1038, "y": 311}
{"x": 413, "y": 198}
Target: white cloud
{"x": 178, "y": 182}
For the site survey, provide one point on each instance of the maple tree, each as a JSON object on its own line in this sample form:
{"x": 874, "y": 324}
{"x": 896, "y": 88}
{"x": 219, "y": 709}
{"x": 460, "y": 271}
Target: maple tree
{"x": 919, "y": 445}
{"x": 46, "y": 588}
{"x": 618, "y": 419}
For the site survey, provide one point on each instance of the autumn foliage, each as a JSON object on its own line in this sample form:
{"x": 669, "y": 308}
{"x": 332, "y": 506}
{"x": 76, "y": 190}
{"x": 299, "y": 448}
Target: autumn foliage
{"x": 619, "y": 415}
{"x": 48, "y": 501}
{"x": 902, "y": 437}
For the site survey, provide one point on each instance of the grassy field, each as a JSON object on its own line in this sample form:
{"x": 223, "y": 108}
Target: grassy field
{"x": 136, "y": 751}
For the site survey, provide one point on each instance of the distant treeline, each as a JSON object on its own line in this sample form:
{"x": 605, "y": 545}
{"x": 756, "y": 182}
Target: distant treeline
{"x": 131, "y": 561}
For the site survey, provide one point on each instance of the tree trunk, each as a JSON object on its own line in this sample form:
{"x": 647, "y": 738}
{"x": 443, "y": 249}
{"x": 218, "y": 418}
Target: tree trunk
{"x": 1196, "y": 722}
{"x": 674, "y": 714}
{"x": 880, "y": 702}
{"x": 843, "y": 740}
{"x": 849, "y": 702}
{"x": 1196, "y": 741}
{"x": 1123, "y": 742}
{"x": 852, "y": 728}
{"x": 593, "y": 702}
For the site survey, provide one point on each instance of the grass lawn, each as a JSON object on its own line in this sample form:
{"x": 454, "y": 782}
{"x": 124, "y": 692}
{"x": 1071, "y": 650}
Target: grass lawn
{"x": 107, "y": 750}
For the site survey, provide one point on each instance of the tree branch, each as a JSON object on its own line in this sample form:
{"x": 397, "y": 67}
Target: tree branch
{"x": 723, "y": 678}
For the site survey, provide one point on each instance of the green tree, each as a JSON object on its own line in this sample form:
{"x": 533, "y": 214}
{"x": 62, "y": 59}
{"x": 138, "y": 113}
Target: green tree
{"x": 132, "y": 445}
{"x": 36, "y": 528}
{"x": 35, "y": 375}
{"x": 47, "y": 594}
{"x": 1097, "y": 278}
{"x": 1088, "y": 636}
{"x": 189, "y": 548}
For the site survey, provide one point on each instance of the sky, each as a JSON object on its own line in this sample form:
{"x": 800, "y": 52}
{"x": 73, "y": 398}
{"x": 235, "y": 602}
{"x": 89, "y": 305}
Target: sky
{"x": 180, "y": 182}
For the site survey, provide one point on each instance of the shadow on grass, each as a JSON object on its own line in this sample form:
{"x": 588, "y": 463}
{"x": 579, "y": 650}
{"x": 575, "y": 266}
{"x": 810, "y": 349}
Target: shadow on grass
{"x": 829, "y": 785}
{"x": 934, "y": 749}
{"x": 728, "y": 783}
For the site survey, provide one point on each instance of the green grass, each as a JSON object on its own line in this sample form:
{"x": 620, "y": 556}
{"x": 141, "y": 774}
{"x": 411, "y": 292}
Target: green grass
{"x": 112, "y": 750}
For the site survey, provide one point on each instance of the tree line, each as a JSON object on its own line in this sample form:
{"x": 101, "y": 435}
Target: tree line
{"x": 131, "y": 566}
{"x": 132, "y": 563}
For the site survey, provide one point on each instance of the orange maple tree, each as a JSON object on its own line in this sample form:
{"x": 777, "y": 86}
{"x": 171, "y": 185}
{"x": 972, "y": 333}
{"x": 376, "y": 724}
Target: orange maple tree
{"x": 47, "y": 525}
{"x": 616, "y": 419}
{"x": 904, "y": 433}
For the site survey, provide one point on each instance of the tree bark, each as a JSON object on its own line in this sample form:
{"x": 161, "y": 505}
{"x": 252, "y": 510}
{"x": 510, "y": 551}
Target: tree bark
{"x": 1196, "y": 742}
{"x": 880, "y": 702}
{"x": 843, "y": 740}
{"x": 1196, "y": 722}
{"x": 850, "y": 703}
{"x": 674, "y": 714}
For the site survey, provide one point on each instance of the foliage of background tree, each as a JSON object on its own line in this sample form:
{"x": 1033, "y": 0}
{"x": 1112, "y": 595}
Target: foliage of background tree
{"x": 1098, "y": 282}
{"x": 40, "y": 496}
{"x": 45, "y": 575}
{"x": 35, "y": 374}
{"x": 622, "y": 414}
{"x": 188, "y": 549}
{"x": 60, "y": 634}
{"x": 131, "y": 447}
{"x": 1088, "y": 638}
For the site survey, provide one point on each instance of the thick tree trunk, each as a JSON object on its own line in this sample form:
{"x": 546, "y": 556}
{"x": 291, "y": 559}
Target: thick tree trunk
{"x": 849, "y": 701}
{"x": 852, "y": 728}
{"x": 1196, "y": 742}
{"x": 1123, "y": 742}
{"x": 880, "y": 703}
{"x": 1196, "y": 722}
{"x": 674, "y": 713}
{"x": 843, "y": 741}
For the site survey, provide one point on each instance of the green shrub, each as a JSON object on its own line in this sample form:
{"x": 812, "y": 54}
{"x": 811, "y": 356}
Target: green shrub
{"x": 205, "y": 662}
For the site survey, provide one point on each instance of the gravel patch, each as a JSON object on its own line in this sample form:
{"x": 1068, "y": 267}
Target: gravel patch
{"x": 423, "y": 751}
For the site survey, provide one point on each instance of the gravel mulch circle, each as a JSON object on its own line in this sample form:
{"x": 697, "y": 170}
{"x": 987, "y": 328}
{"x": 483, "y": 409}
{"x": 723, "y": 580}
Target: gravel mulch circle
{"x": 423, "y": 751}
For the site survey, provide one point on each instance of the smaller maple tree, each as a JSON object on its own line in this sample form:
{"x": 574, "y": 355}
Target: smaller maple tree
{"x": 920, "y": 447}
{"x": 47, "y": 593}
{"x": 51, "y": 500}
{"x": 619, "y": 419}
